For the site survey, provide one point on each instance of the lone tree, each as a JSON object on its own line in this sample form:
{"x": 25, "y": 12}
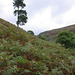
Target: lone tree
{"x": 19, "y": 12}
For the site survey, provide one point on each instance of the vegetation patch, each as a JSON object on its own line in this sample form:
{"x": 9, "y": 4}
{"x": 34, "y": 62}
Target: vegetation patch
{"x": 24, "y": 54}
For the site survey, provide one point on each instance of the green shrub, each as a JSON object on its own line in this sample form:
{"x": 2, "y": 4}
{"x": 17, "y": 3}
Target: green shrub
{"x": 30, "y": 32}
{"x": 66, "y": 39}
{"x": 42, "y": 37}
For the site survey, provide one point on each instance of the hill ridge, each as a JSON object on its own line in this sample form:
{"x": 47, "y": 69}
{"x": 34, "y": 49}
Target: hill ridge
{"x": 51, "y": 35}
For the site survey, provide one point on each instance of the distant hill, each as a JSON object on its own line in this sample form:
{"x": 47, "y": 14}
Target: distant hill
{"x": 52, "y": 34}
{"x": 24, "y": 54}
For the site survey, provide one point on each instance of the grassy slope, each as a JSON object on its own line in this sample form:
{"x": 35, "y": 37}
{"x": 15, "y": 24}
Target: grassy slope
{"x": 24, "y": 54}
{"x": 52, "y": 34}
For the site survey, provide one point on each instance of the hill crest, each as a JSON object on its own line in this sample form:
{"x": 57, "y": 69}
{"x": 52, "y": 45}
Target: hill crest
{"x": 52, "y": 34}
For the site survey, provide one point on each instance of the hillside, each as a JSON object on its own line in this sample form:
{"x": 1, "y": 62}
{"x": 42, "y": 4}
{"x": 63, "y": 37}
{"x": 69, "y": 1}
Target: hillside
{"x": 52, "y": 34}
{"x": 24, "y": 54}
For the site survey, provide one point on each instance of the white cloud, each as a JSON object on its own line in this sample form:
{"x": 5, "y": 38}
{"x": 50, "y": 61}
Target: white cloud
{"x": 71, "y": 2}
{"x": 7, "y": 10}
{"x": 69, "y": 16}
{"x": 7, "y": 7}
{"x": 41, "y": 21}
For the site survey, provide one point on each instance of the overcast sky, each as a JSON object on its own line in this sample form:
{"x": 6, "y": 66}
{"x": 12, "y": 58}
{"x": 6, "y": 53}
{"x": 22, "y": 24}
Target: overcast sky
{"x": 43, "y": 15}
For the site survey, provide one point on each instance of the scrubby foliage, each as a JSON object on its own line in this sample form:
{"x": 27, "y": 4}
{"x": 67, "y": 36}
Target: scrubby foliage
{"x": 66, "y": 39}
{"x": 42, "y": 37}
{"x": 24, "y": 54}
{"x": 30, "y": 32}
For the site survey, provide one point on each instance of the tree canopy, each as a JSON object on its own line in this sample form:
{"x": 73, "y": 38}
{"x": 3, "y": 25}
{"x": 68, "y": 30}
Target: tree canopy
{"x": 66, "y": 39}
{"x": 19, "y": 12}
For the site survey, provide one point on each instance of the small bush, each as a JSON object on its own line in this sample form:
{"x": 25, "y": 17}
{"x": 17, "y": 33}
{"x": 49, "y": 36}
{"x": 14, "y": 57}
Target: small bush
{"x": 30, "y": 32}
{"x": 42, "y": 37}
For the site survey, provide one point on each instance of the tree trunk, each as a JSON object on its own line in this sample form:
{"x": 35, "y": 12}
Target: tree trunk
{"x": 17, "y": 26}
{"x": 18, "y": 19}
